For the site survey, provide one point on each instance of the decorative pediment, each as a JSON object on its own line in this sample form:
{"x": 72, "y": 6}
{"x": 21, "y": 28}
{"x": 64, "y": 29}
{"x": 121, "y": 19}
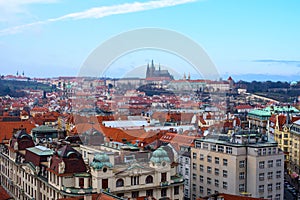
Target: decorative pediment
{"x": 28, "y": 169}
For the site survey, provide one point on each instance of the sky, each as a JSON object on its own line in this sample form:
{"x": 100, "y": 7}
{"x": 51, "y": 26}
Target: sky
{"x": 247, "y": 39}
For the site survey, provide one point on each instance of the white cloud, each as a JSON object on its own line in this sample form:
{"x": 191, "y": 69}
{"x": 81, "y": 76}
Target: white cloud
{"x": 17, "y": 3}
{"x": 99, "y": 12}
{"x": 9, "y": 8}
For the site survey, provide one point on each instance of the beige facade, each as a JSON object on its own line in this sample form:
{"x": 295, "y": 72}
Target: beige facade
{"x": 253, "y": 168}
{"x": 282, "y": 137}
{"x": 135, "y": 177}
{"x": 294, "y": 148}
{"x": 23, "y": 180}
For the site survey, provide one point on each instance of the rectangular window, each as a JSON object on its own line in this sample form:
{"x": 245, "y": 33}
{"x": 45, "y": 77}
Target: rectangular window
{"x": 228, "y": 150}
{"x": 261, "y": 164}
{"x": 277, "y": 197}
{"x": 270, "y": 175}
{"x": 220, "y": 148}
{"x": 201, "y": 168}
{"x": 163, "y": 192}
{"x": 208, "y": 191}
{"x": 208, "y": 169}
{"x": 264, "y": 152}
{"x": 163, "y": 177}
{"x": 242, "y": 164}
{"x": 278, "y": 174}
{"x": 217, "y": 160}
{"x": 201, "y": 157}
{"x": 194, "y": 166}
{"x": 213, "y": 147}
{"x": 205, "y": 146}
{"x": 225, "y": 185}
{"x": 194, "y": 155}
{"x": 270, "y": 187}
{"x": 201, "y": 189}
{"x": 134, "y": 180}
{"x": 81, "y": 182}
{"x": 135, "y": 194}
{"x": 241, "y": 187}
{"x": 150, "y": 192}
{"x": 278, "y": 162}
{"x": 209, "y": 159}
{"x": 186, "y": 161}
{"x": 201, "y": 179}
{"x": 198, "y": 145}
{"x": 270, "y": 163}
{"x": 242, "y": 175}
{"x": 278, "y": 186}
{"x": 274, "y": 150}
{"x": 208, "y": 180}
{"x": 217, "y": 171}
{"x": 225, "y": 174}
{"x": 194, "y": 187}
{"x": 216, "y": 183}
{"x": 261, "y": 188}
{"x": 269, "y": 151}
{"x": 225, "y": 162}
{"x": 259, "y": 152}
{"x": 194, "y": 176}
{"x": 261, "y": 176}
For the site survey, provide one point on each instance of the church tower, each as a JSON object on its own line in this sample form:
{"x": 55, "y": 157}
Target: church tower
{"x": 148, "y": 71}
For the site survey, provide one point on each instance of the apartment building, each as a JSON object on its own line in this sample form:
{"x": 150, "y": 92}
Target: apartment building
{"x": 38, "y": 172}
{"x": 294, "y": 149}
{"x": 128, "y": 173}
{"x": 184, "y": 170}
{"x": 243, "y": 164}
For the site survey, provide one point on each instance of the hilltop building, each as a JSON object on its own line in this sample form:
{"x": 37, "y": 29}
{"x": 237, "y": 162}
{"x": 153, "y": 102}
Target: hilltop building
{"x": 152, "y": 72}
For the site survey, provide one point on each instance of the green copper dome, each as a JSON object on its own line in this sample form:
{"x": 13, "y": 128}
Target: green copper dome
{"x": 100, "y": 160}
{"x": 160, "y": 155}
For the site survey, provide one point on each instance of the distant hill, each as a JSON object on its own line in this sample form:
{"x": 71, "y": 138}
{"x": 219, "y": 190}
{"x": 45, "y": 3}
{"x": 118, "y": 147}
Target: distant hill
{"x": 13, "y": 88}
{"x": 281, "y": 91}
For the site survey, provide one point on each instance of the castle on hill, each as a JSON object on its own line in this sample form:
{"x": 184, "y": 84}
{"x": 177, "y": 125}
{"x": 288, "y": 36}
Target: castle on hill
{"x": 152, "y": 72}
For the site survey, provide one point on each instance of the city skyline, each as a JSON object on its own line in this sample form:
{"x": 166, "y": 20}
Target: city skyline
{"x": 254, "y": 40}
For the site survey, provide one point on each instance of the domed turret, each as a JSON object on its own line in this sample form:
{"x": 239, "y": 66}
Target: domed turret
{"x": 100, "y": 160}
{"x": 160, "y": 155}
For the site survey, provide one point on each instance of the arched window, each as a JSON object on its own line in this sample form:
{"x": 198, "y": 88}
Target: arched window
{"x": 120, "y": 182}
{"x": 149, "y": 179}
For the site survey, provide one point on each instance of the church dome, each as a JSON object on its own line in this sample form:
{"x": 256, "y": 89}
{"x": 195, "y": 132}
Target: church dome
{"x": 160, "y": 155}
{"x": 100, "y": 160}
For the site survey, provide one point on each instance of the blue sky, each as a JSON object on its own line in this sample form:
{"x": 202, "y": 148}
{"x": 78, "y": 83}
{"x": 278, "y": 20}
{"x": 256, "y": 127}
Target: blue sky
{"x": 249, "y": 39}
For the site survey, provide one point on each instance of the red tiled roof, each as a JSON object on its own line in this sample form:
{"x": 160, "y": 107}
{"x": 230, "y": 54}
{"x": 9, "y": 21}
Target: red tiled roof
{"x": 181, "y": 140}
{"x": 243, "y": 107}
{"x": 39, "y": 109}
{"x": 7, "y": 128}
{"x": 4, "y": 195}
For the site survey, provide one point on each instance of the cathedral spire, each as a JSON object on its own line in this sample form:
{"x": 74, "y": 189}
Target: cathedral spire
{"x": 148, "y": 71}
{"x": 152, "y": 64}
